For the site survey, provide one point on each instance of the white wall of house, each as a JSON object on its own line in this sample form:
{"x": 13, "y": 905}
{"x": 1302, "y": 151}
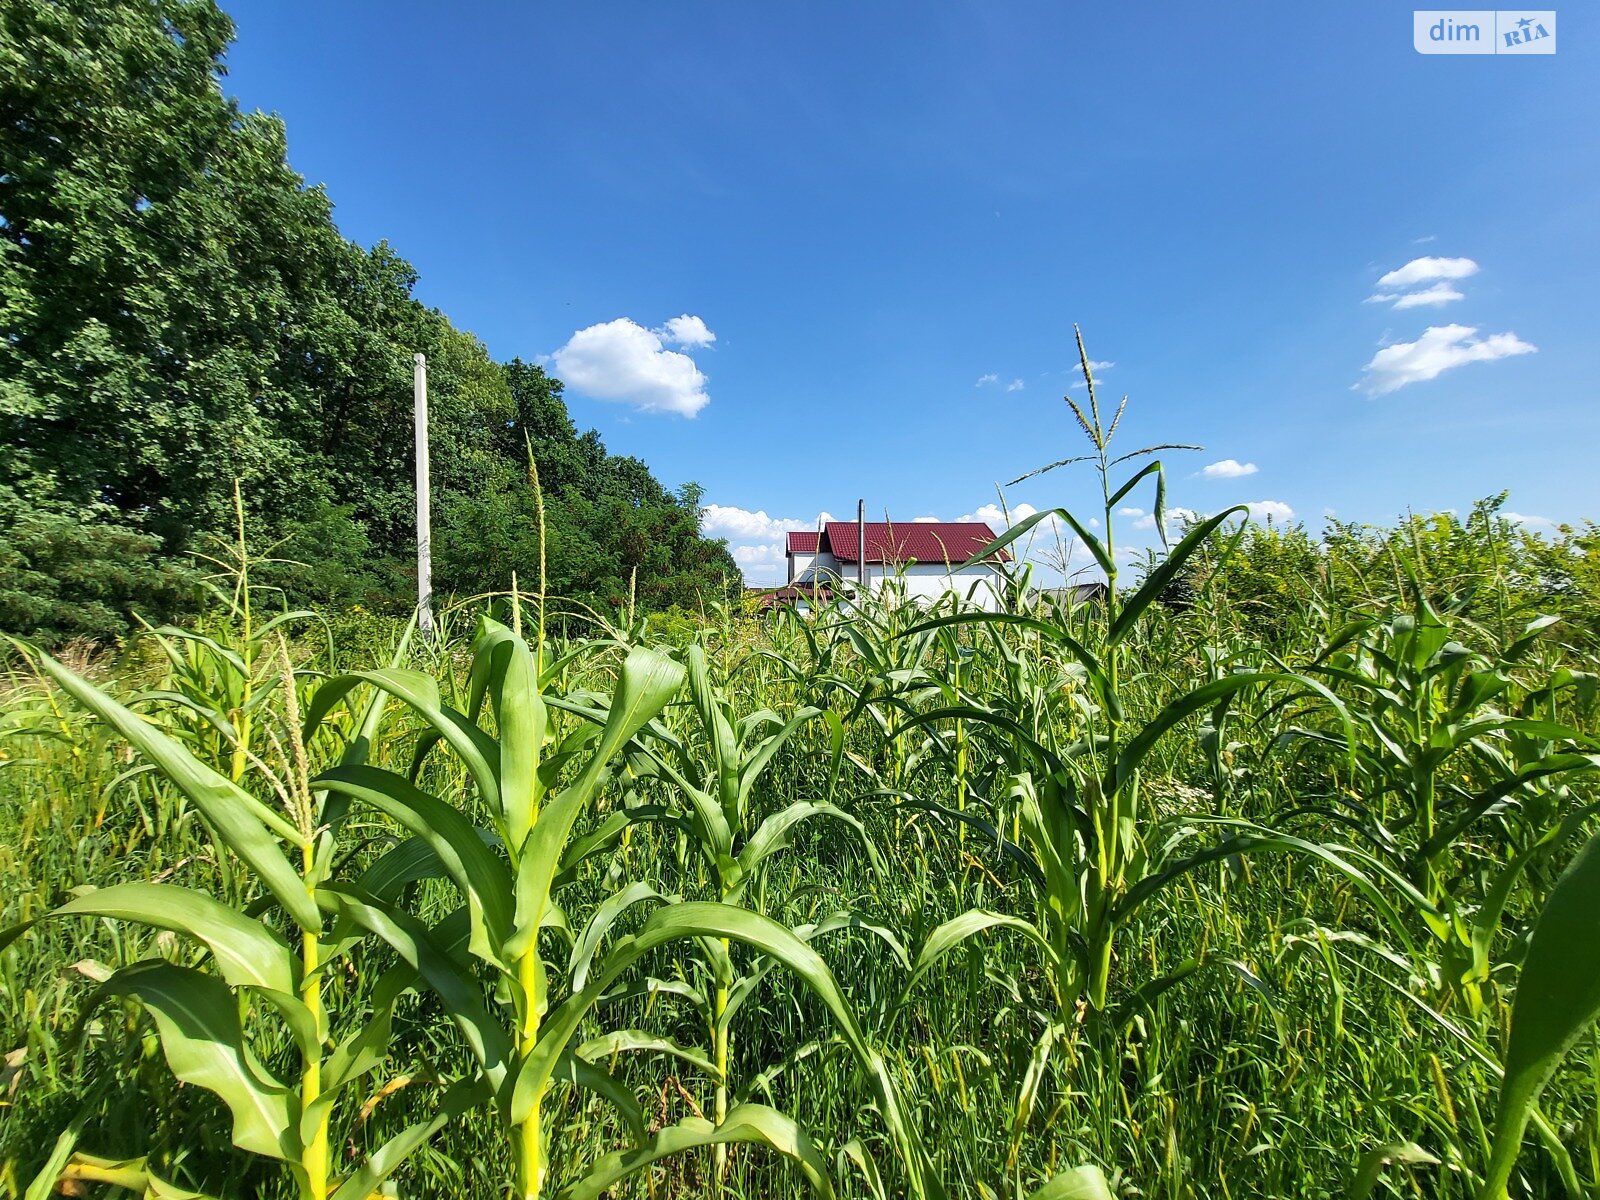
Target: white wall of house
{"x": 821, "y": 565}
{"x": 925, "y": 583}
{"x": 921, "y": 583}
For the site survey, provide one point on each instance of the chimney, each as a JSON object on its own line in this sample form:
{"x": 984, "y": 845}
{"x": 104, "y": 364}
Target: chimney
{"x": 861, "y": 547}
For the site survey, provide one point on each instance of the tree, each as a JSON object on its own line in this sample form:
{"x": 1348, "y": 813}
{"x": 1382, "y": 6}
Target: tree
{"x": 182, "y": 313}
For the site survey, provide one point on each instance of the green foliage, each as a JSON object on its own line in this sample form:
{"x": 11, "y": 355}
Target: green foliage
{"x": 183, "y": 315}
{"x": 210, "y": 1037}
{"x": 82, "y": 575}
{"x": 1431, "y": 742}
{"x": 1557, "y": 1003}
{"x": 1485, "y": 566}
{"x": 1267, "y": 890}
{"x": 584, "y": 929}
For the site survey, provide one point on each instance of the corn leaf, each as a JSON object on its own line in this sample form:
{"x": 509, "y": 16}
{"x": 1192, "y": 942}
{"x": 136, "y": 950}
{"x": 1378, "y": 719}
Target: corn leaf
{"x": 647, "y": 684}
{"x": 388, "y": 1158}
{"x": 750, "y": 1123}
{"x": 197, "y": 1018}
{"x": 240, "y": 820}
{"x": 476, "y": 869}
{"x": 1161, "y": 578}
{"x": 1080, "y": 1183}
{"x": 974, "y": 921}
{"x": 246, "y": 951}
{"x": 1558, "y": 999}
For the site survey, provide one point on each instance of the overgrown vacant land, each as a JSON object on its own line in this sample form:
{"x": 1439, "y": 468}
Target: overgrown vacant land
{"x": 1266, "y": 873}
{"x": 1226, "y": 886}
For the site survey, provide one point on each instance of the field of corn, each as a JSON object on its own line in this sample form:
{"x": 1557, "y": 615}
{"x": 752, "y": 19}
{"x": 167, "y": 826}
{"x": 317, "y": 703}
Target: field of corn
{"x": 1138, "y": 898}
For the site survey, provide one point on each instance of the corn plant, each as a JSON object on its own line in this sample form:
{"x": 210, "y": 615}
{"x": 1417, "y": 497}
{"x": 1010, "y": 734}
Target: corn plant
{"x": 517, "y": 774}
{"x": 200, "y": 1015}
{"x": 1448, "y": 748}
{"x": 508, "y": 901}
{"x": 736, "y": 850}
{"x": 1557, "y": 1003}
{"x": 219, "y": 680}
{"x": 953, "y": 682}
{"x": 1069, "y": 758}
{"x": 1077, "y": 804}
{"x": 736, "y": 753}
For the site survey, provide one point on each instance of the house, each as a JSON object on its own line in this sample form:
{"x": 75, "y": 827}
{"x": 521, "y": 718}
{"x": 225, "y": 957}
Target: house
{"x": 802, "y": 551}
{"x": 924, "y": 560}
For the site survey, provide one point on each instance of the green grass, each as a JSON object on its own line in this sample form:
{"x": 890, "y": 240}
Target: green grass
{"x": 1296, "y": 997}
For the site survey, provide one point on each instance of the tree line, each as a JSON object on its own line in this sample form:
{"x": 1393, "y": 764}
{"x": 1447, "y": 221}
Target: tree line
{"x": 180, "y": 314}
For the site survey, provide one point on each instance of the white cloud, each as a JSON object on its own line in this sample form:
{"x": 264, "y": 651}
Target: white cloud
{"x": 1176, "y": 518}
{"x": 755, "y": 539}
{"x": 1056, "y": 552}
{"x": 1434, "y": 296}
{"x": 993, "y": 380}
{"x": 989, "y": 512}
{"x": 760, "y": 555}
{"x": 1440, "y": 348}
{"x": 765, "y": 563}
{"x": 1392, "y": 288}
{"x": 926, "y": 520}
{"x": 742, "y": 525}
{"x": 993, "y": 514}
{"x": 1228, "y": 468}
{"x": 624, "y": 362}
{"x": 1529, "y": 522}
{"x": 1422, "y": 270}
{"x": 1270, "y": 510}
{"x": 687, "y": 331}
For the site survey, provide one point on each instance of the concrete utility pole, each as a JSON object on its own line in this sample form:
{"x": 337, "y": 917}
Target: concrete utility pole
{"x": 419, "y": 394}
{"x": 861, "y": 548}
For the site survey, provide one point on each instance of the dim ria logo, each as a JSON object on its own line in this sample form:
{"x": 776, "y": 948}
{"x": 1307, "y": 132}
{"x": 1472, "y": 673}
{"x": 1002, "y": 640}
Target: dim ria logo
{"x": 1484, "y": 32}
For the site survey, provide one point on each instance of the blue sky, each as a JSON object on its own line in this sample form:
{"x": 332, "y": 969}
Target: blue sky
{"x": 872, "y": 207}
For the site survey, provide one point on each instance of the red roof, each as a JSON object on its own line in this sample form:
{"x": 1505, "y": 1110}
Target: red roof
{"x": 804, "y": 542}
{"x": 951, "y": 542}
